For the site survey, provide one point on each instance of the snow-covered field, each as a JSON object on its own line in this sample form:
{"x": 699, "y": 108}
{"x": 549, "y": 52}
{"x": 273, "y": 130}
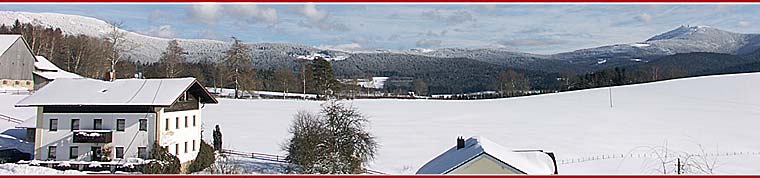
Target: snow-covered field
{"x": 718, "y": 112}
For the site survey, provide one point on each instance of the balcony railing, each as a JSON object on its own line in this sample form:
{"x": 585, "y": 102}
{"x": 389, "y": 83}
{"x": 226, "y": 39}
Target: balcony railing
{"x": 93, "y": 136}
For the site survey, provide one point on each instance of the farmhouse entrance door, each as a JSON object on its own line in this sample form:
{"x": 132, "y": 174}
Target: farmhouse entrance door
{"x": 97, "y": 153}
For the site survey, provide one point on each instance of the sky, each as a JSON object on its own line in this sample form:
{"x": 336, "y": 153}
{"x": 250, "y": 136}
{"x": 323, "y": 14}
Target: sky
{"x": 528, "y": 27}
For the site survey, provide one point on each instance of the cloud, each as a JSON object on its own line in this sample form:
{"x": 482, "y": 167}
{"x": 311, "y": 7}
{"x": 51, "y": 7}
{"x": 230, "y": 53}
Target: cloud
{"x": 745, "y": 24}
{"x": 158, "y": 15}
{"x": 644, "y": 17}
{"x": 531, "y": 42}
{"x": 448, "y": 17}
{"x": 208, "y": 34}
{"x": 252, "y": 13}
{"x": 210, "y": 13}
{"x": 318, "y": 18}
{"x": 427, "y": 43}
{"x": 163, "y": 31}
{"x": 207, "y": 13}
{"x": 430, "y": 33}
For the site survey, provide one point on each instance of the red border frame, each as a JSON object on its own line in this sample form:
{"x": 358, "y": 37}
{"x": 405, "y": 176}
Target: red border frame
{"x": 383, "y": 1}
{"x": 400, "y": 1}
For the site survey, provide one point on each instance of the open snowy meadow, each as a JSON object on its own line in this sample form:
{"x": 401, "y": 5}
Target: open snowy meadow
{"x": 713, "y": 115}
{"x": 720, "y": 113}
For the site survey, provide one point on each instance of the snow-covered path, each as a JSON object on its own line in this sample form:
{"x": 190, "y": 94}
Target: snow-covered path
{"x": 717, "y": 112}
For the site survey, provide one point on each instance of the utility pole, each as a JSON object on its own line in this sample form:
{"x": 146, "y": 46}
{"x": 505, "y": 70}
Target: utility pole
{"x": 610, "y": 97}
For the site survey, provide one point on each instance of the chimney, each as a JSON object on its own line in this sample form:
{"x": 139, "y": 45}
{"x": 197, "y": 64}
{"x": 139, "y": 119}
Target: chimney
{"x": 460, "y": 142}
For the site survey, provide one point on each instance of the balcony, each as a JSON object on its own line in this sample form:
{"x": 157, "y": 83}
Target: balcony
{"x": 93, "y": 136}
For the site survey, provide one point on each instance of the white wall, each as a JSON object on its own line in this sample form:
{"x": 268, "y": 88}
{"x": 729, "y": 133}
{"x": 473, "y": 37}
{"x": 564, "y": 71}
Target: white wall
{"x": 174, "y": 137}
{"x": 131, "y": 138}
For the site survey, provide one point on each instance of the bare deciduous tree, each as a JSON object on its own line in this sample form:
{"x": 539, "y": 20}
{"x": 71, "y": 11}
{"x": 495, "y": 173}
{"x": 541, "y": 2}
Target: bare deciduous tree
{"x": 118, "y": 45}
{"x": 173, "y": 59}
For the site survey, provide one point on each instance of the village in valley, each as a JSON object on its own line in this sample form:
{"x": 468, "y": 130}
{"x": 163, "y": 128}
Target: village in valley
{"x": 84, "y": 104}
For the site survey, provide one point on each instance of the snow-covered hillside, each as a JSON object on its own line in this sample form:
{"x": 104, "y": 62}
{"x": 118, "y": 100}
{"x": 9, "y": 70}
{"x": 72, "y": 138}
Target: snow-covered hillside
{"x": 150, "y": 48}
{"x": 716, "y": 112}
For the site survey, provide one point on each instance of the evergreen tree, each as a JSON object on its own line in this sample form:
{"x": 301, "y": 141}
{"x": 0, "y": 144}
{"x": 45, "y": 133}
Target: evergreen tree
{"x": 323, "y": 78}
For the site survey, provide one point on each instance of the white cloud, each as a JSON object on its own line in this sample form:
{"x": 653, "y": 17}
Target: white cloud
{"x": 311, "y": 12}
{"x": 208, "y": 34}
{"x": 318, "y": 18}
{"x": 427, "y": 43}
{"x": 210, "y": 13}
{"x": 252, "y": 13}
{"x": 158, "y": 15}
{"x": 207, "y": 13}
{"x": 644, "y": 17}
{"x": 449, "y": 17}
{"x": 163, "y": 31}
{"x": 745, "y": 24}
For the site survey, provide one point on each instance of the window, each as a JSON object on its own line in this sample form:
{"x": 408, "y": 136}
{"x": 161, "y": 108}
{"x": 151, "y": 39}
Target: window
{"x": 17, "y": 82}
{"x": 143, "y": 124}
{"x": 73, "y": 152}
{"x": 176, "y": 149}
{"x": 120, "y": 152}
{"x": 53, "y": 124}
{"x": 120, "y": 125}
{"x": 74, "y": 124}
{"x": 28, "y": 83}
{"x": 177, "y": 122}
{"x": 193, "y": 120}
{"x": 185, "y": 121}
{"x": 167, "y": 123}
{"x": 142, "y": 152}
{"x": 97, "y": 124}
{"x": 5, "y": 82}
{"x": 186, "y": 147}
{"x": 193, "y": 145}
{"x": 51, "y": 152}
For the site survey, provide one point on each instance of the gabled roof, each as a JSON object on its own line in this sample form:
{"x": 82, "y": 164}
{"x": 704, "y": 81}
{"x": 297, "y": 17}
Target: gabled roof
{"x": 526, "y": 162}
{"x": 124, "y": 92}
{"x": 6, "y": 41}
{"x": 46, "y": 69}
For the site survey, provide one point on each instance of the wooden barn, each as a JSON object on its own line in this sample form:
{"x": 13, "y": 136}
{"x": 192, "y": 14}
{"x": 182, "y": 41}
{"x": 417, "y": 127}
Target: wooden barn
{"x": 16, "y": 63}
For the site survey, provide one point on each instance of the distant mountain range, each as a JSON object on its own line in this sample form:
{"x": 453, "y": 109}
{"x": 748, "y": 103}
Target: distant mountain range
{"x": 460, "y": 64}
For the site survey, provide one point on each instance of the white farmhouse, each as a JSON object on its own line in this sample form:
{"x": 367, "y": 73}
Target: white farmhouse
{"x": 478, "y": 155}
{"x": 78, "y": 117}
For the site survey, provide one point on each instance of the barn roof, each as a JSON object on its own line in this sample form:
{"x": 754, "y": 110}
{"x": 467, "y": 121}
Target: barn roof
{"x": 6, "y": 41}
{"x": 125, "y": 92}
{"x": 527, "y": 162}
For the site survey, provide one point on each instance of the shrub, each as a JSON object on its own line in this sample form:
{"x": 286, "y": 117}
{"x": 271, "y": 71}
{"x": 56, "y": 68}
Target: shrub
{"x": 162, "y": 162}
{"x": 204, "y": 159}
{"x": 335, "y": 141}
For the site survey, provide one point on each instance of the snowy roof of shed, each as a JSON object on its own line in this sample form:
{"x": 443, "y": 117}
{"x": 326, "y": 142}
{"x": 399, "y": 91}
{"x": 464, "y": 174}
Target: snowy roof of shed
{"x": 50, "y": 71}
{"x": 132, "y": 92}
{"x": 6, "y": 41}
{"x": 527, "y": 162}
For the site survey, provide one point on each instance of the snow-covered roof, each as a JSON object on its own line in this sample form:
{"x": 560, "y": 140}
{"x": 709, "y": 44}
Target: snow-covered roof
{"x": 48, "y": 70}
{"x": 42, "y": 63}
{"x": 6, "y": 41}
{"x": 527, "y": 162}
{"x": 133, "y": 92}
